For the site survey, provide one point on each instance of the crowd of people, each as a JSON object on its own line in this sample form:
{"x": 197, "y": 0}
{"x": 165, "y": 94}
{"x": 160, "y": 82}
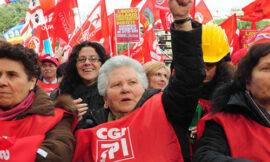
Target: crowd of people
{"x": 97, "y": 108}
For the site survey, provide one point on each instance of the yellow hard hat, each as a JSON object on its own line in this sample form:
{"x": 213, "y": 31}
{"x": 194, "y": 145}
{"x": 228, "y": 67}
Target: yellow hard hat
{"x": 214, "y": 43}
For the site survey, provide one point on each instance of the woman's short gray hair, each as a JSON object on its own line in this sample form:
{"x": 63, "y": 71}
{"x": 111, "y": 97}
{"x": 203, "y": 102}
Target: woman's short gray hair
{"x": 115, "y": 63}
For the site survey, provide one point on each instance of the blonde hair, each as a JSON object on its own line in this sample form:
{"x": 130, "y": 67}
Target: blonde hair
{"x": 151, "y": 68}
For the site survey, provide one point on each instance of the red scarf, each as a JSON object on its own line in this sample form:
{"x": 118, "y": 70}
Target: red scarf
{"x": 21, "y": 108}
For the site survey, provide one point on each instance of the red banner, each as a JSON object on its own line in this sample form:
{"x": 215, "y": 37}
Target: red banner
{"x": 260, "y": 36}
{"x": 244, "y": 34}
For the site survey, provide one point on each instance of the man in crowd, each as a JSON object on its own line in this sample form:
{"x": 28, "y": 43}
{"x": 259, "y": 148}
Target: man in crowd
{"x": 48, "y": 80}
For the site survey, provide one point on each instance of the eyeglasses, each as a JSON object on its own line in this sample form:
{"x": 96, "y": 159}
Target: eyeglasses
{"x": 92, "y": 59}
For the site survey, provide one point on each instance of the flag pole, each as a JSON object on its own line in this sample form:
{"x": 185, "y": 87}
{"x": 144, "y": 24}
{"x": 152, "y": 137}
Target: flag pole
{"x": 80, "y": 18}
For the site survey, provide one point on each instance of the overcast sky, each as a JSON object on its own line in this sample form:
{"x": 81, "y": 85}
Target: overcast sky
{"x": 223, "y": 6}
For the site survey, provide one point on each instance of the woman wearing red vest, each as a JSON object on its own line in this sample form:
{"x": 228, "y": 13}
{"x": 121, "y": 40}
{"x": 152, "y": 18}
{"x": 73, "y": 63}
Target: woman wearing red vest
{"x": 239, "y": 126}
{"x": 147, "y": 125}
{"x": 32, "y": 128}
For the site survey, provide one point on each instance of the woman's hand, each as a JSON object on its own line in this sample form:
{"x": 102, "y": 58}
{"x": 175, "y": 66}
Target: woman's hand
{"x": 180, "y": 10}
{"x": 81, "y": 107}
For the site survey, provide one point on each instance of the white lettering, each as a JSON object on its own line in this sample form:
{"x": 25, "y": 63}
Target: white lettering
{"x": 4, "y": 155}
{"x": 113, "y": 133}
{"x": 114, "y": 147}
{"x": 124, "y": 147}
{"x": 100, "y": 133}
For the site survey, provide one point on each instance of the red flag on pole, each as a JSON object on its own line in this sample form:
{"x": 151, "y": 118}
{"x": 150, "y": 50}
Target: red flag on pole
{"x": 64, "y": 20}
{"x": 230, "y": 27}
{"x": 95, "y": 28}
{"x": 145, "y": 50}
{"x": 166, "y": 19}
{"x": 134, "y": 3}
{"x": 193, "y": 9}
{"x": 202, "y": 13}
{"x": 151, "y": 49}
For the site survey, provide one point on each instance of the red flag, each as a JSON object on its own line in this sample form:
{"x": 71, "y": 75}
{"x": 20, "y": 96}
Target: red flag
{"x": 151, "y": 49}
{"x": 135, "y": 51}
{"x": 149, "y": 13}
{"x": 112, "y": 34}
{"x": 134, "y": 3}
{"x": 145, "y": 50}
{"x": 202, "y": 13}
{"x": 230, "y": 27}
{"x": 166, "y": 19}
{"x": 64, "y": 20}
{"x": 235, "y": 44}
{"x": 256, "y": 11}
{"x": 47, "y": 5}
{"x": 193, "y": 9}
{"x": 95, "y": 28}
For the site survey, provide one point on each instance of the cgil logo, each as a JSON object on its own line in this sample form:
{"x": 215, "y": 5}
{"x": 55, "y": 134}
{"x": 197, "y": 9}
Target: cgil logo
{"x": 4, "y": 155}
{"x": 114, "y": 144}
{"x": 113, "y": 133}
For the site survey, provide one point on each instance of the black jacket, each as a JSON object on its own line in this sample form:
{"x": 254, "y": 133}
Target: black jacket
{"x": 180, "y": 97}
{"x": 213, "y": 145}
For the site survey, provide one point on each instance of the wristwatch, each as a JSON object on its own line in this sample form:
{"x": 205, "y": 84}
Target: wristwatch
{"x": 182, "y": 21}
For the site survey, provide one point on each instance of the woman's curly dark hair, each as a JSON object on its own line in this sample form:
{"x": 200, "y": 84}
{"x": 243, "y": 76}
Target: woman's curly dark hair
{"x": 72, "y": 79}
{"x": 27, "y": 56}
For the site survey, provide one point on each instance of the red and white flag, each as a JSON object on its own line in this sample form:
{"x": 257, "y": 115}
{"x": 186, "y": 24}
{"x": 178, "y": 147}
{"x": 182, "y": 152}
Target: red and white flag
{"x": 147, "y": 49}
{"x": 134, "y": 3}
{"x": 202, "y": 13}
{"x": 151, "y": 49}
{"x": 95, "y": 28}
{"x": 64, "y": 20}
{"x": 166, "y": 19}
{"x": 34, "y": 18}
{"x": 230, "y": 27}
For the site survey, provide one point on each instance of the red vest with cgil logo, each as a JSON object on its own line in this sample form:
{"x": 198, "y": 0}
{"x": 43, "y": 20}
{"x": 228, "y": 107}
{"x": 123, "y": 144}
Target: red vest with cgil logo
{"x": 20, "y": 139}
{"x": 143, "y": 135}
{"x": 48, "y": 88}
{"x": 246, "y": 138}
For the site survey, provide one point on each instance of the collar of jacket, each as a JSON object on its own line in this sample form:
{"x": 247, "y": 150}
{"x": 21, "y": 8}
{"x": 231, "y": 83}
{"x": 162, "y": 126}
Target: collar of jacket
{"x": 240, "y": 103}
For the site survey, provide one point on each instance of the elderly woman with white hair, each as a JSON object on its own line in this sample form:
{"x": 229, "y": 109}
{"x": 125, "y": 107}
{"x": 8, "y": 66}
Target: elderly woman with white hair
{"x": 147, "y": 125}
